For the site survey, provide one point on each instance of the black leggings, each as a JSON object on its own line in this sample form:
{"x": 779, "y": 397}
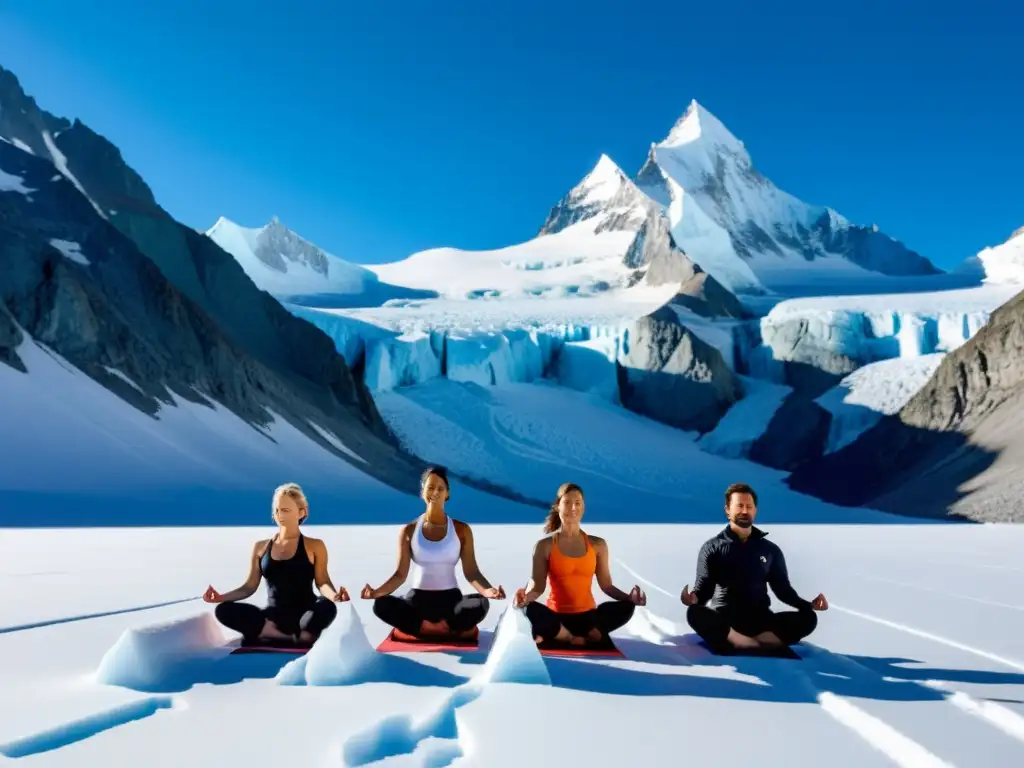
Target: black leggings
{"x": 713, "y": 626}
{"x": 247, "y": 619}
{"x": 408, "y": 613}
{"x": 607, "y": 617}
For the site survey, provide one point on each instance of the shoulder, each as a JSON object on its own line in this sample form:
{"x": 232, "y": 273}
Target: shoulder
{"x": 463, "y": 530}
{"x": 598, "y": 542}
{"x": 408, "y": 529}
{"x": 713, "y": 545}
{"x": 261, "y": 546}
{"x": 313, "y": 544}
{"x": 543, "y": 545}
{"x": 770, "y": 546}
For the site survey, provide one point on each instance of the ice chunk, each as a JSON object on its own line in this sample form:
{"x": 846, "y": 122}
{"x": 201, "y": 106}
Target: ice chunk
{"x": 401, "y": 361}
{"x": 480, "y": 358}
{"x": 514, "y": 657}
{"x": 589, "y": 366}
{"x": 144, "y": 657}
{"x": 342, "y": 655}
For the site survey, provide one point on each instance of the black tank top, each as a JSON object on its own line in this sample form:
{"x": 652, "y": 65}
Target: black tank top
{"x": 289, "y": 582}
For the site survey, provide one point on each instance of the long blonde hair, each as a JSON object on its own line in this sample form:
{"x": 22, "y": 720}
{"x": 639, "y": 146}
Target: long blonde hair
{"x": 293, "y": 491}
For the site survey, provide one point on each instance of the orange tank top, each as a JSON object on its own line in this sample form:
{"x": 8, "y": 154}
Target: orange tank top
{"x": 570, "y": 579}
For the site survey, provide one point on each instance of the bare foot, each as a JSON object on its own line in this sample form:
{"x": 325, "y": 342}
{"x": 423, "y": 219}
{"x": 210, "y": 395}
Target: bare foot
{"x": 435, "y": 628}
{"x": 577, "y": 640}
{"x": 538, "y": 639}
{"x": 769, "y": 639}
{"x": 595, "y": 635}
{"x": 742, "y": 641}
{"x": 306, "y": 638}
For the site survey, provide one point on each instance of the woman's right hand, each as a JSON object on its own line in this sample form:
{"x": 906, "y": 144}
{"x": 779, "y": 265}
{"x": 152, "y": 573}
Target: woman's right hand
{"x": 368, "y": 593}
{"x": 211, "y": 595}
{"x": 522, "y": 598}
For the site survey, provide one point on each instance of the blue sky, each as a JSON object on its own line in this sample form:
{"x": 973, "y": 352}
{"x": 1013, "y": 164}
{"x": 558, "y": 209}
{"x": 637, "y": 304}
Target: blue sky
{"x": 379, "y": 129}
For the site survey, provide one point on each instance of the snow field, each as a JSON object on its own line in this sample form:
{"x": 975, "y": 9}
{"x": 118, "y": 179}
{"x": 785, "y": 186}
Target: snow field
{"x": 920, "y": 668}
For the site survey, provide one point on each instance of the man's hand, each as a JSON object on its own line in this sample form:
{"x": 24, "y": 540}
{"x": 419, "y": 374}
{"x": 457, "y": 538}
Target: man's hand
{"x": 819, "y": 603}
{"x": 688, "y": 598}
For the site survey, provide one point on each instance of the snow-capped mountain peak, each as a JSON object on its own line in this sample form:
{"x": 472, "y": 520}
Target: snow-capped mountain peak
{"x": 605, "y": 190}
{"x": 283, "y": 263}
{"x": 699, "y": 126}
{"x": 746, "y": 231}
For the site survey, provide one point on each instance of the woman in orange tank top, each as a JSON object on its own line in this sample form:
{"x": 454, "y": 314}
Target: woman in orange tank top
{"x": 567, "y": 562}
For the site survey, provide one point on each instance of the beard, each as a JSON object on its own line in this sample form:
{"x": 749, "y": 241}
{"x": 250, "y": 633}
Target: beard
{"x": 743, "y": 521}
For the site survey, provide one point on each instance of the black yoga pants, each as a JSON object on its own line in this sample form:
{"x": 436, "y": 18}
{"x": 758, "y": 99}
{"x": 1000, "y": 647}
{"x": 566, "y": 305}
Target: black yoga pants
{"x": 247, "y": 619}
{"x": 713, "y": 625}
{"x": 607, "y": 617}
{"x": 408, "y": 613}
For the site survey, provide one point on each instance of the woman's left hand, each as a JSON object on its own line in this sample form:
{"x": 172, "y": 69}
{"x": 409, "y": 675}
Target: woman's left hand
{"x": 637, "y": 596}
{"x": 341, "y": 595}
{"x": 495, "y": 593}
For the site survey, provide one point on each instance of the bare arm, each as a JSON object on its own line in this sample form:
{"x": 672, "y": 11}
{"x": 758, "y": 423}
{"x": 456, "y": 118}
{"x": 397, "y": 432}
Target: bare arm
{"x": 470, "y": 569}
{"x": 402, "y": 569}
{"x": 539, "y": 575}
{"x": 604, "y": 573}
{"x": 320, "y": 574}
{"x": 252, "y": 581}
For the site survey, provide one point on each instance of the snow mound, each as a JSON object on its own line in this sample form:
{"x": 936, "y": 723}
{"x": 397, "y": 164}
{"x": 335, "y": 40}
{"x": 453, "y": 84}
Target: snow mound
{"x": 143, "y": 657}
{"x": 342, "y": 655}
{"x": 514, "y": 657}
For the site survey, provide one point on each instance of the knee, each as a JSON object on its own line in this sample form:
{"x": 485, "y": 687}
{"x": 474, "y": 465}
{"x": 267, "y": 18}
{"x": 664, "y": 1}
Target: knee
{"x": 810, "y": 621}
{"x": 221, "y": 610}
{"x": 378, "y": 607}
{"x": 328, "y": 609}
{"x": 628, "y": 608}
{"x": 693, "y": 614}
{"x": 482, "y": 605}
{"x": 533, "y": 611}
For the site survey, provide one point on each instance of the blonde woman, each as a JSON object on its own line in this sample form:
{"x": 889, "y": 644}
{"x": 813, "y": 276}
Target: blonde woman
{"x": 291, "y": 563}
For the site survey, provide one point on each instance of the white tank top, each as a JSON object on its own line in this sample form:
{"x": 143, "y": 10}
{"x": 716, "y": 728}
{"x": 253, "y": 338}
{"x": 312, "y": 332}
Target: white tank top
{"x": 435, "y": 560}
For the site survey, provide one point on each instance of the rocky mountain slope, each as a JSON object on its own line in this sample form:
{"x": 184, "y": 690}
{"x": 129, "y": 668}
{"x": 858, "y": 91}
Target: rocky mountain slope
{"x": 96, "y": 270}
{"x": 955, "y": 448}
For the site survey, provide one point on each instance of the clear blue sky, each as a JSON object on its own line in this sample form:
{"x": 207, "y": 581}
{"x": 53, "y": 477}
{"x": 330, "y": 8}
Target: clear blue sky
{"x": 378, "y": 129}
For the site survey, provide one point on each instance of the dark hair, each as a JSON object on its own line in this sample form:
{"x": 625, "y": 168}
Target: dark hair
{"x": 553, "y": 522}
{"x": 439, "y": 471}
{"x": 739, "y": 488}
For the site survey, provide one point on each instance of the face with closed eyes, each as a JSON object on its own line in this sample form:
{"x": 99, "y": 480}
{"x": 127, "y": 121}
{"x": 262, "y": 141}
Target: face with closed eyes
{"x": 434, "y": 490}
{"x": 742, "y": 510}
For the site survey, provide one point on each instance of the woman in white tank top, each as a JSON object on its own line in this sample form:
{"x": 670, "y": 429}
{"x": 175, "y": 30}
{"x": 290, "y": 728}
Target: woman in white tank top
{"x": 433, "y": 545}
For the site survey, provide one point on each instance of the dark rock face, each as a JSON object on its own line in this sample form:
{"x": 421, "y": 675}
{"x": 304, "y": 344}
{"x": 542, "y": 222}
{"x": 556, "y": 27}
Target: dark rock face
{"x": 956, "y": 447}
{"x": 669, "y": 374}
{"x": 871, "y": 249}
{"x": 796, "y": 434}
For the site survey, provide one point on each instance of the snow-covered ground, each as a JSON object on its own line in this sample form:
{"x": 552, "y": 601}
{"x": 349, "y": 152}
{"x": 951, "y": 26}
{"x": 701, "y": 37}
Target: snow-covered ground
{"x": 917, "y": 662}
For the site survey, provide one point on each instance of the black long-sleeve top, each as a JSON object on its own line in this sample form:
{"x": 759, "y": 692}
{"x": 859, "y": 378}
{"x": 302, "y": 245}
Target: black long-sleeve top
{"x": 737, "y": 574}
